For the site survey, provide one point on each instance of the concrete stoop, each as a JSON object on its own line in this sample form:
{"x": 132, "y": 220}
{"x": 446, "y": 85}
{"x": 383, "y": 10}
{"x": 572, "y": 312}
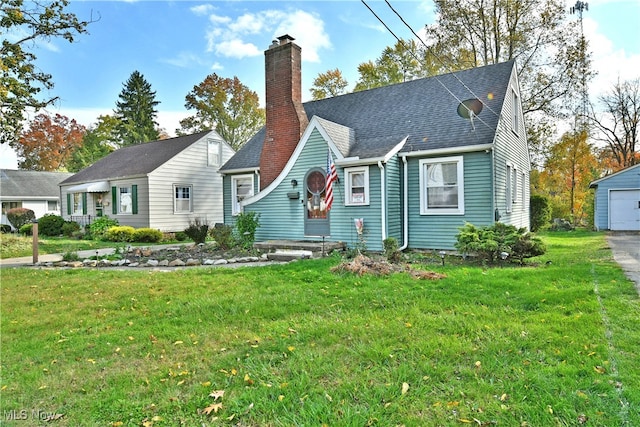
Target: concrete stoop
{"x": 289, "y": 250}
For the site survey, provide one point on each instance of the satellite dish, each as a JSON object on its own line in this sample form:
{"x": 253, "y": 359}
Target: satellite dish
{"x": 469, "y": 108}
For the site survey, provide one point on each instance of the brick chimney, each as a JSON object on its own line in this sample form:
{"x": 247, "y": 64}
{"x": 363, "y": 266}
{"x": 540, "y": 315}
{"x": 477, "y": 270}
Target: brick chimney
{"x": 286, "y": 119}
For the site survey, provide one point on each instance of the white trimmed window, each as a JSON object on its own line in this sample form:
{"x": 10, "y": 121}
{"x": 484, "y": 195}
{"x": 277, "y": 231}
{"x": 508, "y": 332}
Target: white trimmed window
{"x": 442, "y": 186}
{"x": 357, "y": 186}
{"x": 523, "y": 188}
{"x": 241, "y": 188}
{"x": 52, "y": 205}
{"x": 515, "y": 124}
{"x": 125, "y": 200}
{"x": 214, "y": 152}
{"x": 182, "y": 198}
{"x": 512, "y": 186}
{"x": 77, "y": 204}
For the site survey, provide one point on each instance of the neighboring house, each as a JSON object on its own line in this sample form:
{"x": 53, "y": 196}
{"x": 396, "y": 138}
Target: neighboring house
{"x": 617, "y": 200}
{"x": 162, "y": 184}
{"x": 33, "y": 190}
{"x": 413, "y": 160}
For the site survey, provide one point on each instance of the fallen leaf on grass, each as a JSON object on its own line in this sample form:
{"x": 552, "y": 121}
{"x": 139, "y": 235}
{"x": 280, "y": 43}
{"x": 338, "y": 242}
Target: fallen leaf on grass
{"x": 214, "y": 407}
{"x": 216, "y": 394}
{"x": 405, "y": 388}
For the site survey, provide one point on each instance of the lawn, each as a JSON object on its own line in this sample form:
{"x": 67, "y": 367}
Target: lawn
{"x": 13, "y": 246}
{"x": 293, "y": 345}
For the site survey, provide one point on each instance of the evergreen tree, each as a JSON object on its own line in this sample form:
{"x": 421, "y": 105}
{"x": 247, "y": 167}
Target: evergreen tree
{"x": 136, "y": 112}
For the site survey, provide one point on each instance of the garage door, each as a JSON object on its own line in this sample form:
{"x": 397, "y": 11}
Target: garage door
{"x": 624, "y": 208}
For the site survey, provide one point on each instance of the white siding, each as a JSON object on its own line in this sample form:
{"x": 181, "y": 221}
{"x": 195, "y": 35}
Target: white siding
{"x": 511, "y": 149}
{"x": 188, "y": 168}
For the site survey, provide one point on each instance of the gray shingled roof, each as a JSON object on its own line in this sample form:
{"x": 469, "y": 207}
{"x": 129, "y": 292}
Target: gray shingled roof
{"x": 425, "y": 110}
{"x": 135, "y": 160}
{"x": 25, "y": 184}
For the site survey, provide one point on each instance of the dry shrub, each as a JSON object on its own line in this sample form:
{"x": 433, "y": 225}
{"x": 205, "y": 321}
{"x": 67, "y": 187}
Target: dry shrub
{"x": 361, "y": 265}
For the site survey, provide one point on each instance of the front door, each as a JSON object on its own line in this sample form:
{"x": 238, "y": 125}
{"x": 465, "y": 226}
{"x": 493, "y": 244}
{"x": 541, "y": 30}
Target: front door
{"x": 316, "y": 217}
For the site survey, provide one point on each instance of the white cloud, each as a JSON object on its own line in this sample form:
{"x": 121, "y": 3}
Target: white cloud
{"x": 217, "y": 66}
{"x": 236, "y": 48}
{"x": 202, "y": 9}
{"x": 610, "y": 62}
{"x": 228, "y": 37}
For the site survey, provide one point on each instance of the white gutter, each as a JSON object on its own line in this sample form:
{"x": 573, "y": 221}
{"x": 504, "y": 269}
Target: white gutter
{"x": 405, "y": 207}
{"x": 454, "y": 150}
{"x": 383, "y": 202}
{"x": 235, "y": 171}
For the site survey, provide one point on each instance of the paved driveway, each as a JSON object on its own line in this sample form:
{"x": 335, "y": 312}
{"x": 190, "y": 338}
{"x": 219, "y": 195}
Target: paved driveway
{"x": 626, "y": 251}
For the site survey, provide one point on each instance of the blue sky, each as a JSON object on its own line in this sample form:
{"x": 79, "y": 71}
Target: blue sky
{"x": 176, "y": 44}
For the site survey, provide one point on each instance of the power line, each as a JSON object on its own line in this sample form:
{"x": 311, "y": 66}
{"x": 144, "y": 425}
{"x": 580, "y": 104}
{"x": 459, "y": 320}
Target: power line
{"x": 418, "y": 59}
{"x": 439, "y": 59}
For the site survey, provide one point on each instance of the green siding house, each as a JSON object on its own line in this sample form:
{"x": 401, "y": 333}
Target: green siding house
{"x": 414, "y": 160}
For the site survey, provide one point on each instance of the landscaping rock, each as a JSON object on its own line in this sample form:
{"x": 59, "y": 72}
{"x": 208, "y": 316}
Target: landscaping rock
{"x": 176, "y": 263}
{"x": 163, "y": 263}
{"x": 192, "y": 262}
{"x": 75, "y": 264}
{"x": 152, "y": 263}
{"x": 134, "y": 264}
{"x": 221, "y": 262}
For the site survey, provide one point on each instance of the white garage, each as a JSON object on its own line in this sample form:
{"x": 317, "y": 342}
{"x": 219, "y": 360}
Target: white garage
{"x": 624, "y": 208}
{"x": 617, "y": 200}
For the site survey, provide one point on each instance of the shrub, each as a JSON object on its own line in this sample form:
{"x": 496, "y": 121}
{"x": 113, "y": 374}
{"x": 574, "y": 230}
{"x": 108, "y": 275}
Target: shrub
{"x": 198, "y": 230}
{"x": 99, "y": 227}
{"x": 246, "y": 225}
{"x": 223, "y": 235}
{"x": 26, "y": 229}
{"x": 5, "y": 228}
{"x": 120, "y": 233}
{"x": 489, "y": 242}
{"x": 20, "y": 216}
{"x": 181, "y": 236}
{"x": 70, "y": 228}
{"x": 540, "y": 215}
{"x": 390, "y": 245}
{"x": 50, "y": 225}
{"x": 527, "y": 246}
{"x": 147, "y": 235}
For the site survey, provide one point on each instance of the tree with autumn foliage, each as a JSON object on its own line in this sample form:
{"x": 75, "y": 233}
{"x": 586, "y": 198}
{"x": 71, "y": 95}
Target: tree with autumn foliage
{"x": 22, "y": 25}
{"x": 48, "y": 143}
{"x": 328, "y": 84}
{"x": 570, "y": 167}
{"x": 227, "y": 106}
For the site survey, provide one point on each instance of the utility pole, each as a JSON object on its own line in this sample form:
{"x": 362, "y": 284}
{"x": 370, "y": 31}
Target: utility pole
{"x": 581, "y": 121}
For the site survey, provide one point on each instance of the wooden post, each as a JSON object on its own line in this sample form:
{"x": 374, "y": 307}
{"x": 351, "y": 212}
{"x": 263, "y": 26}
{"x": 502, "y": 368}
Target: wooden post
{"x": 35, "y": 241}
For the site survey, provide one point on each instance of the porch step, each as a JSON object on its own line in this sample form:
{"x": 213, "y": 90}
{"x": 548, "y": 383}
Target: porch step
{"x": 288, "y": 255}
{"x": 298, "y": 248}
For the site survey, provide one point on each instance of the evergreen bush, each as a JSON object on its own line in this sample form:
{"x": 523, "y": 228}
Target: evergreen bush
{"x": 70, "y": 228}
{"x": 26, "y": 229}
{"x": 50, "y": 225}
{"x": 147, "y": 235}
{"x": 120, "y": 233}
{"x": 540, "y": 214}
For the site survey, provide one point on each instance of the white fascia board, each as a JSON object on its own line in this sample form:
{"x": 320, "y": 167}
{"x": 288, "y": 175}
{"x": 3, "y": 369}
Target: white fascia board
{"x": 313, "y": 124}
{"x": 357, "y": 161}
{"x": 445, "y": 151}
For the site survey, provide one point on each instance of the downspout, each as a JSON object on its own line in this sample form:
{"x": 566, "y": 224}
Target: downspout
{"x": 405, "y": 206}
{"x": 383, "y": 202}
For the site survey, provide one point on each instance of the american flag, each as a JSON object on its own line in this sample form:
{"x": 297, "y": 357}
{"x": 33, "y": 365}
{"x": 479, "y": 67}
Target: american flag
{"x": 332, "y": 175}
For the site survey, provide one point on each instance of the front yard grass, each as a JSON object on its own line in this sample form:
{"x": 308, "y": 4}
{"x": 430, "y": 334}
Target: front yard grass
{"x": 295, "y": 344}
{"x": 14, "y": 246}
